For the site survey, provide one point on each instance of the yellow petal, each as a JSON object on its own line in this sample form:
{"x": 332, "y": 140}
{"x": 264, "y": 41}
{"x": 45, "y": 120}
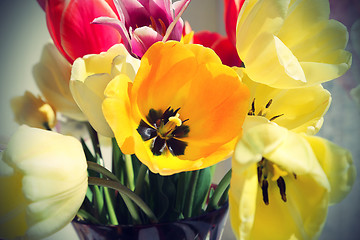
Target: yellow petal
{"x": 303, "y": 214}
{"x": 291, "y": 45}
{"x": 337, "y": 164}
{"x": 89, "y": 96}
{"x": 242, "y": 200}
{"x": 258, "y": 19}
{"x": 52, "y": 76}
{"x": 193, "y": 79}
{"x": 117, "y": 112}
{"x": 50, "y": 185}
{"x": 301, "y": 217}
{"x": 33, "y": 111}
{"x": 299, "y": 110}
{"x": 89, "y": 78}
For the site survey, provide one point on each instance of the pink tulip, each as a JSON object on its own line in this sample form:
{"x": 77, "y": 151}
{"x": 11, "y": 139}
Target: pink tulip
{"x": 141, "y": 23}
{"x": 69, "y": 24}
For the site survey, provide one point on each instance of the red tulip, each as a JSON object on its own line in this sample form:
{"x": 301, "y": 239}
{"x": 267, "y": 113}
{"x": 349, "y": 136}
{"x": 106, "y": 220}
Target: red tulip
{"x": 69, "y": 24}
{"x": 224, "y": 46}
{"x": 232, "y": 9}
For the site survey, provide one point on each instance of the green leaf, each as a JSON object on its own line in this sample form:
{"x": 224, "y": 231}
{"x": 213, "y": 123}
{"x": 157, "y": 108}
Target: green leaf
{"x": 118, "y": 164}
{"x": 202, "y": 190}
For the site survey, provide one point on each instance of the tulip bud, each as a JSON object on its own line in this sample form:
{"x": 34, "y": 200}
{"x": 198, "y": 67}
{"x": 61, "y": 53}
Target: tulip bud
{"x": 33, "y": 111}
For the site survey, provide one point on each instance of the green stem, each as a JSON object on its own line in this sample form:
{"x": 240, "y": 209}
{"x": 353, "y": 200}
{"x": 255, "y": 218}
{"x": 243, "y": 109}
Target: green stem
{"x": 180, "y": 194}
{"x": 110, "y": 207}
{"x": 124, "y": 190}
{"x": 219, "y": 191}
{"x": 129, "y": 204}
{"x": 190, "y": 197}
{"x": 129, "y": 172}
{"x": 140, "y": 180}
{"x": 94, "y": 139}
{"x": 100, "y": 169}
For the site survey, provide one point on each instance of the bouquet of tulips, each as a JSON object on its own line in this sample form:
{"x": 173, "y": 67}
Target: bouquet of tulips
{"x": 169, "y": 103}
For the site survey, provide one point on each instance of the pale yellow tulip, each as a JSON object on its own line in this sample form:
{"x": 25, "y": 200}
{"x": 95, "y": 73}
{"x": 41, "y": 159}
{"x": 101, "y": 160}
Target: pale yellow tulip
{"x": 282, "y": 182}
{"x": 90, "y": 76}
{"x": 43, "y": 181}
{"x": 33, "y": 111}
{"x": 289, "y": 44}
{"x": 299, "y": 110}
{"x": 52, "y": 76}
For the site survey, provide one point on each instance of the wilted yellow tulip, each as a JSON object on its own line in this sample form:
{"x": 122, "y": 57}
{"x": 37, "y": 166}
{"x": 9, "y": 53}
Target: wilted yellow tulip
{"x": 33, "y": 111}
{"x": 288, "y": 44}
{"x": 90, "y": 76}
{"x": 299, "y": 110}
{"x": 282, "y": 182}
{"x": 184, "y": 110}
{"x": 52, "y": 76}
{"x": 43, "y": 181}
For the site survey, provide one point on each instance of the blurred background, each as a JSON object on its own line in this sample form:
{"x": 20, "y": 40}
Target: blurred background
{"x": 24, "y": 33}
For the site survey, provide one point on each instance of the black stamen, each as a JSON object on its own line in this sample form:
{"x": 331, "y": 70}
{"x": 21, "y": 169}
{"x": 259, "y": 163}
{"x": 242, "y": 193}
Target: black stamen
{"x": 275, "y": 117}
{"x": 282, "y": 187}
{"x": 252, "y": 110}
{"x": 268, "y": 104}
{"x": 264, "y": 188}
{"x": 259, "y": 173}
{"x": 295, "y": 176}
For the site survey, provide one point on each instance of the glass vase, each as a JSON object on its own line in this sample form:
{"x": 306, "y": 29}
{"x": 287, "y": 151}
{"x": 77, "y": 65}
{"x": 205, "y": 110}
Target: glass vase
{"x": 207, "y": 226}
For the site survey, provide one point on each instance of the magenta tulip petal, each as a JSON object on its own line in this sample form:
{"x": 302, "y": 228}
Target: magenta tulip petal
{"x": 42, "y": 4}
{"x": 78, "y": 36}
{"x": 134, "y": 13}
{"x": 160, "y": 9}
{"x": 180, "y": 5}
{"x": 142, "y": 38}
{"x": 119, "y": 26}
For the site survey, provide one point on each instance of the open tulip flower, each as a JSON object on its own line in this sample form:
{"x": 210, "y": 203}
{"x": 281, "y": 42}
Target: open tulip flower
{"x": 183, "y": 112}
{"x": 282, "y": 182}
{"x": 142, "y": 23}
{"x": 299, "y": 109}
{"x": 43, "y": 181}
{"x": 289, "y": 44}
{"x": 69, "y": 24}
{"x": 33, "y": 111}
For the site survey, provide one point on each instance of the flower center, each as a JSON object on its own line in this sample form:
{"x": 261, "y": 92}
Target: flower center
{"x": 267, "y": 169}
{"x": 164, "y": 130}
{"x": 262, "y": 111}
